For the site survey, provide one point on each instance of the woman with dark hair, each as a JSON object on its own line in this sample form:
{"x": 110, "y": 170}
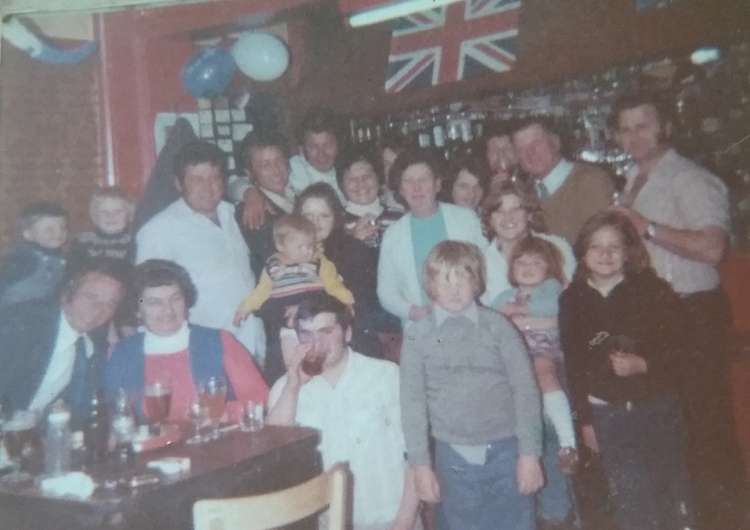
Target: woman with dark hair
{"x": 417, "y": 177}
{"x": 622, "y": 329}
{"x": 353, "y": 259}
{"x": 467, "y": 182}
{"x": 365, "y": 217}
{"x": 179, "y": 354}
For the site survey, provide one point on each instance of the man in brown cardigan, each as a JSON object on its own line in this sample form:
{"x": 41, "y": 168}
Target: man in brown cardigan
{"x": 569, "y": 192}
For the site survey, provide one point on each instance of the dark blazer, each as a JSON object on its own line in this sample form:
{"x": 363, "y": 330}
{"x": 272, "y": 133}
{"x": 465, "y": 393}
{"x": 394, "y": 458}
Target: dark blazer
{"x": 27, "y": 335}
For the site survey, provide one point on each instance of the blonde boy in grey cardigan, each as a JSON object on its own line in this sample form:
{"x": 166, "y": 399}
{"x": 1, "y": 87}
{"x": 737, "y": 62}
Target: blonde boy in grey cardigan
{"x": 466, "y": 377}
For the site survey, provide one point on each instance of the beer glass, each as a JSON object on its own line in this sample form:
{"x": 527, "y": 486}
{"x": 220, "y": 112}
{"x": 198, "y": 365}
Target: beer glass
{"x": 157, "y": 398}
{"x": 213, "y": 395}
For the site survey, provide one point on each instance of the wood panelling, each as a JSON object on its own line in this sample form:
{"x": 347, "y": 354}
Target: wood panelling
{"x": 49, "y": 137}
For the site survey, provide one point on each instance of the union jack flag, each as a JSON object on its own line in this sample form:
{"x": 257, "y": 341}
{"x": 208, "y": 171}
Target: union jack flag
{"x": 460, "y": 41}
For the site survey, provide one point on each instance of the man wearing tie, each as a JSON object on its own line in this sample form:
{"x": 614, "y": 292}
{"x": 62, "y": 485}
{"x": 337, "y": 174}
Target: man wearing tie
{"x": 569, "y": 192}
{"x": 47, "y": 351}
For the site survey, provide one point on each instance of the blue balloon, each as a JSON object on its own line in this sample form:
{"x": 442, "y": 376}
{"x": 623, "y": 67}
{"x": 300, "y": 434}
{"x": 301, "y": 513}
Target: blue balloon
{"x": 208, "y": 73}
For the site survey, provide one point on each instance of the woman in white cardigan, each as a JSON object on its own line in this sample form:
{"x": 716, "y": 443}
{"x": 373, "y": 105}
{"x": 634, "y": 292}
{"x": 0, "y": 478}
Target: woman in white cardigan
{"x": 416, "y": 177}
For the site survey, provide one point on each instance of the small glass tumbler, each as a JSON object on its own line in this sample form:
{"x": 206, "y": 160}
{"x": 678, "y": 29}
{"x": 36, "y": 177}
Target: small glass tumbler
{"x": 253, "y": 417}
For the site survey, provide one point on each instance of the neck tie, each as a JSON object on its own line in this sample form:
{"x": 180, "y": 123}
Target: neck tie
{"x": 77, "y": 393}
{"x": 541, "y": 190}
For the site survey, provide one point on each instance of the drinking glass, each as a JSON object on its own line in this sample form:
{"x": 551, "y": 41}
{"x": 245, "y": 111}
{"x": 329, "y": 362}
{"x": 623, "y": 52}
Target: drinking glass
{"x": 198, "y": 414}
{"x": 213, "y": 394}
{"x": 157, "y": 398}
{"x": 253, "y": 417}
{"x": 312, "y": 364}
{"x": 21, "y": 440}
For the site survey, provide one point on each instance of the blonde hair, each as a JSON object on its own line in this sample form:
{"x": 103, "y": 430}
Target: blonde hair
{"x": 287, "y": 225}
{"x": 113, "y": 193}
{"x": 450, "y": 256}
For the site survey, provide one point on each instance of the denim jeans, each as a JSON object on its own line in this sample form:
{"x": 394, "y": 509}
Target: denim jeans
{"x": 482, "y": 497}
{"x": 643, "y": 453}
{"x": 553, "y": 501}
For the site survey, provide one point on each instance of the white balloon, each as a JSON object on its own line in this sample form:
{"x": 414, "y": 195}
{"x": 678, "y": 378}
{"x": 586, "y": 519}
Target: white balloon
{"x": 260, "y": 56}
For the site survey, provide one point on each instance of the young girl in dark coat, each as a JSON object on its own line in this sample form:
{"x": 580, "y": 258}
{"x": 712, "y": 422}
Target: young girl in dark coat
{"x": 621, "y": 330}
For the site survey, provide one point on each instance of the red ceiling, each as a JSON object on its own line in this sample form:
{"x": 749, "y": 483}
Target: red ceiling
{"x": 350, "y": 6}
{"x": 191, "y": 17}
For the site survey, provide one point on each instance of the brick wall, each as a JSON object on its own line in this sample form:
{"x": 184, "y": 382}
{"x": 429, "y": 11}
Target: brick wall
{"x": 49, "y": 136}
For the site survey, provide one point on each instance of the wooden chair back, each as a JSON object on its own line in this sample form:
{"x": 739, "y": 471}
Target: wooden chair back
{"x": 279, "y": 508}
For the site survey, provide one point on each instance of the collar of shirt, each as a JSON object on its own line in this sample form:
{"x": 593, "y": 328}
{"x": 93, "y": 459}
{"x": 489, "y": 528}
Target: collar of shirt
{"x": 557, "y": 176}
{"x": 221, "y": 213}
{"x": 159, "y": 345}
{"x": 67, "y": 337}
{"x": 604, "y": 292}
{"x": 301, "y": 162}
{"x": 632, "y": 173}
{"x": 285, "y": 202}
{"x": 471, "y": 312}
{"x": 374, "y": 209}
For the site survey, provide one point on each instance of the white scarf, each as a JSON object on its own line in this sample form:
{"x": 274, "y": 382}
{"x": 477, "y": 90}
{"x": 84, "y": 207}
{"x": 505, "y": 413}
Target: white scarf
{"x": 374, "y": 209}
{"x": 159, "y": 345}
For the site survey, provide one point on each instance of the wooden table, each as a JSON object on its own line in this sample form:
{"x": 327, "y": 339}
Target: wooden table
{"x": 238, "y": 464}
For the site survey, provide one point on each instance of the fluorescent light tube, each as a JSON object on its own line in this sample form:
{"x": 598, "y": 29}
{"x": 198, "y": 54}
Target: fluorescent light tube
{"x": 394, "y": 10}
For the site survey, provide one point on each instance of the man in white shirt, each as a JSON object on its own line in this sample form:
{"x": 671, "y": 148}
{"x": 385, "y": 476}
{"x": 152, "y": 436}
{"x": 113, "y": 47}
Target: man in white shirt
{"x": 319, "y": 151}
{"x": 47, "y": 352}
{"x": 354, "y": 401}
{"x": 316, "y": 163}
{"x": 198, "y": 232}
{"x": 569, "y": 192}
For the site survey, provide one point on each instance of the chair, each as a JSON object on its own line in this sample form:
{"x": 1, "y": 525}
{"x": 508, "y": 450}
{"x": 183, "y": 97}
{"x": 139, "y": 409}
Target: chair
{"x": 279, "y": 508}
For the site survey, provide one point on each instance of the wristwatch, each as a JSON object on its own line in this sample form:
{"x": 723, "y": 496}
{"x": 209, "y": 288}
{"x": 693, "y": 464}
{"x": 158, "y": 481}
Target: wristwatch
{"x": 650, "y": 232}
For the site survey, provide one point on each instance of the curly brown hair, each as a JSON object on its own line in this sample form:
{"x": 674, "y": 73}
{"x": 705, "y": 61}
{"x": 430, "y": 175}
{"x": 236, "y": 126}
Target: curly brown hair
{"x": 529, "y": 202}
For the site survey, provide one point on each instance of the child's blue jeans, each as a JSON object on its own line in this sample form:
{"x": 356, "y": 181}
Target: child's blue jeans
{"x": 483, "y": 497}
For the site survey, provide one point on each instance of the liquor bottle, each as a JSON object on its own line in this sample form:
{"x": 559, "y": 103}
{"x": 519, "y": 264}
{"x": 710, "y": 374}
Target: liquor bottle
{"x": 123, "y": 429}
{"x": 96, "y": 433}
{"x": 424, "y": 133}
{"x": 453, "y": 142}
{"x": 58, "y": 446}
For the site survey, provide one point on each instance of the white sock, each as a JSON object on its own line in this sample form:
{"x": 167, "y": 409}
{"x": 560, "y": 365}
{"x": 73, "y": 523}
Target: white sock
{"x": 557, "y": 409}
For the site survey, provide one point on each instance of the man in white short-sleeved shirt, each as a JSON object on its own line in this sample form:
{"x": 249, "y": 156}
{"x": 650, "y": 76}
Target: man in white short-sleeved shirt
{"x": 681, "y": 211}
{"x": 198, "y": 231}
{"x": 354, "y": 402}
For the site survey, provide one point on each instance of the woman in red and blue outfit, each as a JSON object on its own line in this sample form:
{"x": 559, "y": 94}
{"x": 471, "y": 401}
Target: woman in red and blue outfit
{"x": 171, "y": 350}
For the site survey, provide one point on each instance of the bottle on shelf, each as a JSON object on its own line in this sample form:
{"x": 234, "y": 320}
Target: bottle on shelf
{"x": 424, "y": 132}
{"x": 58, "y": 441}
